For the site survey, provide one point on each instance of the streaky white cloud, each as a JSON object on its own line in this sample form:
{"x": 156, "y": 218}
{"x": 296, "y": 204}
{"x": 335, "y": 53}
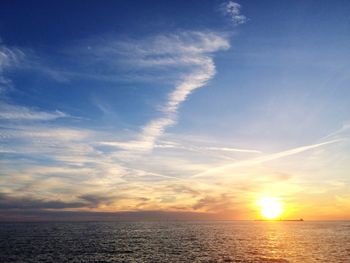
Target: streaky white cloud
{"x": 262, "y": 159}
{"x": 233, "y": 11}
{"x": 167, "y": 144}
{"x": 228, "y": 149}
{"x": 339, "y": 132}
{"x": 203, "y": 151}
{"x": 191, "y": 82}
{"x": 68, "y": 147}
{"x": 16, "y": 112}
{"x": 194, "y": 49}
{"x": 167, "y": 47}
{"x": 45, "y": 132}
{"x": 9, "y": 57}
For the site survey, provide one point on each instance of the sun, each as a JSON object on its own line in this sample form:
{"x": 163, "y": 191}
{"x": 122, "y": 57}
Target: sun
{"x": 271, "y": 207}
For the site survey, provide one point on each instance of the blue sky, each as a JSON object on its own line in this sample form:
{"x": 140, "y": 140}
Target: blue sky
{"x": 175, "y": 106}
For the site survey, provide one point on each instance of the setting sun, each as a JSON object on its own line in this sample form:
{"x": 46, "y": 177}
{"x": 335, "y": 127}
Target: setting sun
{"x": 271, "y": 208}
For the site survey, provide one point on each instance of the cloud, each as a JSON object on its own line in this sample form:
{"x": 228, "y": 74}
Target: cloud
{"x": 233, "y": 11}
{"x": 214, "y": 203}
{"x": 174, "y": 145}
{"x": 262, "y": 159}
{"x": 8, "y": 202}
{"x": 12, "y": 57}
{"x": 9, "y": 57}
{"x": 95, "y": 200}
{"x": 342, "y": 131}
{"x": 192, "y": 49}
{"x": 16, "y": 112}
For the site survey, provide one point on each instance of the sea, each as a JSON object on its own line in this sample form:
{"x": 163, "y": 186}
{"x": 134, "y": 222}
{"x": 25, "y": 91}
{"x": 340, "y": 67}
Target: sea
{"x": 180, "y": 241}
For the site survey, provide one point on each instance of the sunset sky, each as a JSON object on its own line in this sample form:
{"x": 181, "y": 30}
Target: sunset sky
{"x": 188, "y": 109}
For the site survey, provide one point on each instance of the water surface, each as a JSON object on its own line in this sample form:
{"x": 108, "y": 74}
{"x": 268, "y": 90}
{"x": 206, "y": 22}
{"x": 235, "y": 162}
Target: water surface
{"x": 236, "y": 241}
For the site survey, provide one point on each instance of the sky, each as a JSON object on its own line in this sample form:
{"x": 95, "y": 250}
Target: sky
{"x": 174, "y": 109}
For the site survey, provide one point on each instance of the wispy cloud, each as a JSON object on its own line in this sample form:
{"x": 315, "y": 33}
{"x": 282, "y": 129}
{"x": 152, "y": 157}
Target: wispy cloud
{"x": 227, "y": 149}
{"x": 233, "y": 11}
{"x": 169, "y": 144}
{"x": 214, "y": 153}
{"x": 192, "y": 49}
{"x": 12, "y": 57}
{"x": 16, "y": 112}
{"x": 339, "y": 132}
{"x": 262, "y": 159}
{"x": 9, "y": 57}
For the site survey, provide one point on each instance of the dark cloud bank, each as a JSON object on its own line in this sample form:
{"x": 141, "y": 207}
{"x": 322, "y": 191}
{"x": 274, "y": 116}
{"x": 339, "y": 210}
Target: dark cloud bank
{"x": 13, "y": 209}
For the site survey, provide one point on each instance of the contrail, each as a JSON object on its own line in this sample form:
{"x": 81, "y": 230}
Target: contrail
{"x": 263, "y": 159}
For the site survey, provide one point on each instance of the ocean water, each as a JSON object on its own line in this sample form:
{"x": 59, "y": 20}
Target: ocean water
{"x": 236, "y": 241}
